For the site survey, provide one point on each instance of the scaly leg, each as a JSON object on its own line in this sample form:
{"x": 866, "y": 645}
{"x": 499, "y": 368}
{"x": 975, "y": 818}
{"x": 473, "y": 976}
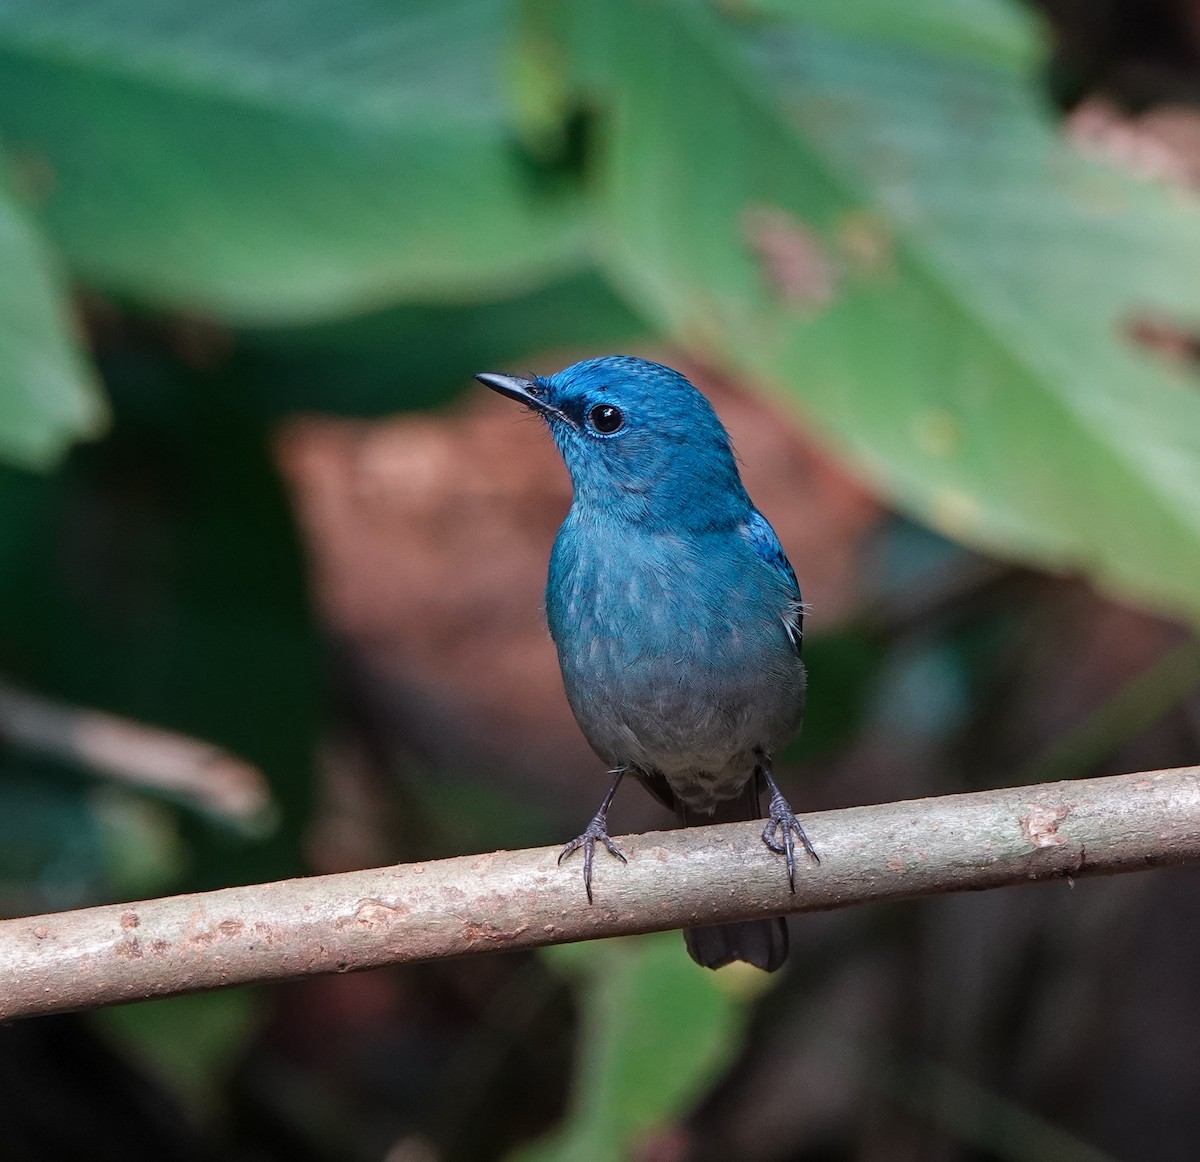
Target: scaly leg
{"x": 780, "y": 818}
{"x": 595, "y": 831}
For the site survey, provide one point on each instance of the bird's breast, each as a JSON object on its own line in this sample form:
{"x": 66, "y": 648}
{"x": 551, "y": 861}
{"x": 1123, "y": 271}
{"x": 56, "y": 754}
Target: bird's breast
{"x": 674, "y": 652}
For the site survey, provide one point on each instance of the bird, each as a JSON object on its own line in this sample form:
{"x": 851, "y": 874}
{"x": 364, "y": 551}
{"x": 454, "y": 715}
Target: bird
{"x": 675, "y": 613}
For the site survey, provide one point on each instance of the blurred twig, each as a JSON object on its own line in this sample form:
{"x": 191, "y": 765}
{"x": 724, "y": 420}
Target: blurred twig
{"x": 141, "y": 756}
{"x": 521, "y": 899}
{"x": 975, "y": 1115}
{"x": 1135, "y": 707}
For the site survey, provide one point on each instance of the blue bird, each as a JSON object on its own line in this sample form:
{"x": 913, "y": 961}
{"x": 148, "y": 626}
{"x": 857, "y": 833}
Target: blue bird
{"x": 675, "y": 612}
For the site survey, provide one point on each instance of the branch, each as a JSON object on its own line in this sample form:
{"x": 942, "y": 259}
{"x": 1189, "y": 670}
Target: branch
{"x": 522, "y": 899}
{"x": 142, "y": 756}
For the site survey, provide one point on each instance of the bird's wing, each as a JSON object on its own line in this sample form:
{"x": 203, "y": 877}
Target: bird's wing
{"x": 766, "y": 544}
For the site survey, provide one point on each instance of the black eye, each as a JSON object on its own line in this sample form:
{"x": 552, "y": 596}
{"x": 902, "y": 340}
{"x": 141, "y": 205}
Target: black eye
{"x": 606, "y": 419}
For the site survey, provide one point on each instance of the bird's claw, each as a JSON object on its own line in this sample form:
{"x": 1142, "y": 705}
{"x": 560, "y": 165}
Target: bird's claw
{"x": 596, "y": 831}
{"x": 781, "y": 818}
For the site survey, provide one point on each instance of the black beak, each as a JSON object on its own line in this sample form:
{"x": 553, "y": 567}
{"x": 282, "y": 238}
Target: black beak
{"x": 522, "y": 390}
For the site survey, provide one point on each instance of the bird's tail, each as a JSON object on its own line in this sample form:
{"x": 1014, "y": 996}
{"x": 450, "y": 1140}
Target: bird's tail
{"x": 763, "y": 943}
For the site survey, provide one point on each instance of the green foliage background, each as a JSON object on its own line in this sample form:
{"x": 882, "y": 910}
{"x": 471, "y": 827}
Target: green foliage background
{"x": 867, "y": 209}
{"x": 965, "y": 345}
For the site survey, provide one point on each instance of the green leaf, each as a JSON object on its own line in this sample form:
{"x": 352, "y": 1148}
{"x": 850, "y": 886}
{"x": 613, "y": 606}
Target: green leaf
{"x": 52, "y": 850}
{"x": 996, "y": 32}
{"x": 158, "y": 576}
{"x": 656, "y": 1032}
{"x": 48, "y": 396}
{"x": 977, "y": 1116}
{"x": 192, "y": 1042}
{"x": 421, "y": 356}
{"x": 269, "y": 161}
{"x": 900, "y": 243}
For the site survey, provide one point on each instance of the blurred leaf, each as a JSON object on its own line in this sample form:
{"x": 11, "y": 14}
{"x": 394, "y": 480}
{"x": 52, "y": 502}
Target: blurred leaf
{"x": 843, "y": 669}
{"x": 1136, "y": 706}
{"x": 272, "y": 161}
{"x": 66, "y": 843}
{"x": 26, "y": 510}
{"x": 922, "y": 690}
{"x": 656, "y": 1032}
{"x": 160, "y": 578}
{"x": 51, "y": 845}
{"x": 48, "y": 395}
{"x": 193, "y": 1042}
{"x": 417, "y": 356}
{"x": 900, "y": 243}
{"x": 142, "y": 849}
{"x": 473, "y": 815}
{"x": 977, "y": 1116}
{"x": 994, "y": 32}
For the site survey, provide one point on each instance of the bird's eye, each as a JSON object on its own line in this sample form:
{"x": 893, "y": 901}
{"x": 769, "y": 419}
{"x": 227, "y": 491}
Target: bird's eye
{"x": 606, "y": 419}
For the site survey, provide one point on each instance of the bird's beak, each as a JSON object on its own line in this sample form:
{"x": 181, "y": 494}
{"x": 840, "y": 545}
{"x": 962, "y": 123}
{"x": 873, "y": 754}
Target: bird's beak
{"x": 523, "y": 390}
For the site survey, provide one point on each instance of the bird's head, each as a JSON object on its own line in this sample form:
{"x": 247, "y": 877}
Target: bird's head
{"x": 638, "y": 439}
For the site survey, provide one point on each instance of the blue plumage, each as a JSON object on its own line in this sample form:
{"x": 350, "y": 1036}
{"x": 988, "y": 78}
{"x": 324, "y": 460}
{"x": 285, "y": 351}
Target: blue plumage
{"x": 675, "y": 612}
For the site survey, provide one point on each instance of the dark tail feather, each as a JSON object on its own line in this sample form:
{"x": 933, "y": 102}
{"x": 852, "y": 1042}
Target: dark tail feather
{"x": 763, "y": 943}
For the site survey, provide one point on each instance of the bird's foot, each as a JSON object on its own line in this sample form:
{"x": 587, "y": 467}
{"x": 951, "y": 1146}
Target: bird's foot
{"x": 595, "y": 832}
{"x": 781, "y": 820}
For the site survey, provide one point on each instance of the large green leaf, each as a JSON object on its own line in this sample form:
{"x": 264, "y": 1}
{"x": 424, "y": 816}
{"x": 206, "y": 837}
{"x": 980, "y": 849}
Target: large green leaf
{"x": 899, "y": 241}
{"x": 268, "y": 161}
{"x": 656, "y": 1032}
{"x": 1000, "y": 34}
{"x": 421, "y": 356}
{"x": 48, "y": 396}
